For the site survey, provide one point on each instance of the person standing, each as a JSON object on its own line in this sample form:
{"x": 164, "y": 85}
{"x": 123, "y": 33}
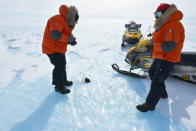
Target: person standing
{"x": 168, "y": 39}
{"x": 57, "y": 35}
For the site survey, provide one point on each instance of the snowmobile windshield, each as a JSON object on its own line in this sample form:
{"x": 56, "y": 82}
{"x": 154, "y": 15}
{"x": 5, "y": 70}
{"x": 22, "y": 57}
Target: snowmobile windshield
{"x": 133, "y": 29}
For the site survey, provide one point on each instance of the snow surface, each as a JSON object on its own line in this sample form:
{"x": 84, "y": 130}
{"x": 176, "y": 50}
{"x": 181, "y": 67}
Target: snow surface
{"x": 27, "y": 99}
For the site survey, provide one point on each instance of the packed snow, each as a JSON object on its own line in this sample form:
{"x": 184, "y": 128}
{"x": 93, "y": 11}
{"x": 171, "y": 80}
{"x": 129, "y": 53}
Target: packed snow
{"x": 28, "y": 101}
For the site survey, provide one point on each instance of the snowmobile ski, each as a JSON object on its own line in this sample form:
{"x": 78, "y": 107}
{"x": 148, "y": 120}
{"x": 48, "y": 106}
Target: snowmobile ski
{"x": 116, "y": 68}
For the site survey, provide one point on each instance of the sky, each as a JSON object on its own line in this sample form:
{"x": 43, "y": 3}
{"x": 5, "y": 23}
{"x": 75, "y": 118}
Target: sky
{"x": 35, "y": 13}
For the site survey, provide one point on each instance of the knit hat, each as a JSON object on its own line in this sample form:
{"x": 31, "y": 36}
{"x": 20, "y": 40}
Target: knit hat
{"x": 162, "y": 7}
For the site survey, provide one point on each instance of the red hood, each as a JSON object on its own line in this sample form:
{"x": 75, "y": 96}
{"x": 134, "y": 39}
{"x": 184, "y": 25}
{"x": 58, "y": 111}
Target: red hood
{"x": 176, "y": 16}
{"x": 63, "y": 10}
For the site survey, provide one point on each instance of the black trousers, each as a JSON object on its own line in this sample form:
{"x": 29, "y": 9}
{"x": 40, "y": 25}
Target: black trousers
{"x": 158, "y": 73}
{"x": 59, "y": 75}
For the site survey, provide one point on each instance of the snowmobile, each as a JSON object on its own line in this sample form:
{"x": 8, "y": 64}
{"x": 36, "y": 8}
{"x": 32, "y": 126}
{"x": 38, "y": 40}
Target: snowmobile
{"x": 132, "y": 33}
{"x": 140, "y": 59}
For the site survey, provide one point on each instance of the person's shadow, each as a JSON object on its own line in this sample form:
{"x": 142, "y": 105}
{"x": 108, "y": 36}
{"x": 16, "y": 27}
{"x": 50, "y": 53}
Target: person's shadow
{"x": 181, "y": 99}
{"x": 38, "y": 120}
{"x": 169, "y": 112}
{"x": 166, "y": 115}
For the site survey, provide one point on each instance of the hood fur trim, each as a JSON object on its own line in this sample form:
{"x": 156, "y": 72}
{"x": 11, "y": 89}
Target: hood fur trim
{"x": 165, "y": 17}
{"x": 71, "y": 16}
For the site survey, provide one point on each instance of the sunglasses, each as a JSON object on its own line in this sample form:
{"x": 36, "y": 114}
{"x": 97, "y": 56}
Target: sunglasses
{"x": 157, "y": 14}
{"x": 76, "y": 18}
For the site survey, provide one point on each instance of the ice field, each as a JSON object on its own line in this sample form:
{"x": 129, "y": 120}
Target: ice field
{"x": 28, "y": 101}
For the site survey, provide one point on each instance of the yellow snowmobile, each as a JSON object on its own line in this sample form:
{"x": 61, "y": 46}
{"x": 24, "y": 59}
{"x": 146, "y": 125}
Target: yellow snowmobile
{"x": 139, "y": 57}
{"x": 132, "y": 33}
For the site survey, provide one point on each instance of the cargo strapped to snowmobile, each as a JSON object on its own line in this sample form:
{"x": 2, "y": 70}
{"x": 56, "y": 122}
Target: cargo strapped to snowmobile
{"x": 116, "y": 68}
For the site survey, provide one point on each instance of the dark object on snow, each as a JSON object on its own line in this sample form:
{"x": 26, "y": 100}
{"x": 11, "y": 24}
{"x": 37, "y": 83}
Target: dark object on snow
{"x": 87, "y": 80}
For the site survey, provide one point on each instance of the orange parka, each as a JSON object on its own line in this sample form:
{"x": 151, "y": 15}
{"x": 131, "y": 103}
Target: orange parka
{"x": 168, "y": 28}
{"x": 57, "y": 23}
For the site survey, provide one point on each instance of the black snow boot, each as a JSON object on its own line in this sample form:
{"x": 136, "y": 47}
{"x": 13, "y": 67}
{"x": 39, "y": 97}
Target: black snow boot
{"x": 68, "y": 83}
{"x": 164, "y": 95}
{"x": 62, "y": 90}
{"x": 144, "y": 107}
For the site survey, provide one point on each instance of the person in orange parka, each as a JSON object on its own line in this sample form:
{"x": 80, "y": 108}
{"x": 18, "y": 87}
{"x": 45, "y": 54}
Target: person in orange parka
{"x": 168, "y": 39}
{"x": 57, "y": 35}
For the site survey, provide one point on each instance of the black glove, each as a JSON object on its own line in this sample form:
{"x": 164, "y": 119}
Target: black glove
{"x": 71, "y": 39}
{"x": 150, "y": 34}
{"x": 73, "y": 43}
